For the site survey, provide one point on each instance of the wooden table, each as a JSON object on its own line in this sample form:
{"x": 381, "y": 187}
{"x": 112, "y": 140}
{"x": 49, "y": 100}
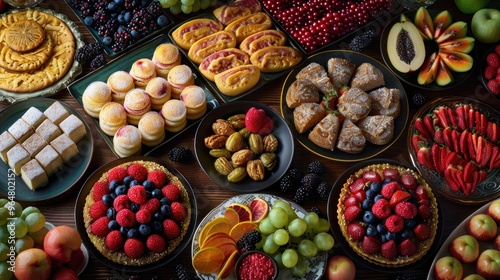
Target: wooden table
{"x": 209, "y": 195}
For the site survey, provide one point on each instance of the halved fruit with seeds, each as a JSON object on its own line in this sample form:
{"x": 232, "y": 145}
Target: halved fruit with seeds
{"x": 444, "y": 75}
{"x": 405, "y": 47}
{"x": 456, "y": 30}
{"x": 465, "y": 45}
{"x": 429, "y": 70}
{"x": 441, "y": 22}
{"x": 259, "y": 208}
{"x": 423, "y": 22}
{"x": 243, "y": 211}
{"x": 457, "y": 61}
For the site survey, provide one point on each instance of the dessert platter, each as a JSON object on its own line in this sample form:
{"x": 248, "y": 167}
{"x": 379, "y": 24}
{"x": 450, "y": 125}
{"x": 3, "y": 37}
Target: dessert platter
{"x": 486, "y": 186}
{"x": 42, "y": 67}
{"x": 125, "y": 63}
{"x": 160, "y": 237}
{"x": 389, "y": 81}
{"x": 60, "y": 178}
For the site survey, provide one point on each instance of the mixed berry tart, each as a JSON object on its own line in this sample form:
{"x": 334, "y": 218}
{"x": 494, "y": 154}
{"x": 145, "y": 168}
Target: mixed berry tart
{"x": 388, "y": 214}
{"x": 137, "y": 213}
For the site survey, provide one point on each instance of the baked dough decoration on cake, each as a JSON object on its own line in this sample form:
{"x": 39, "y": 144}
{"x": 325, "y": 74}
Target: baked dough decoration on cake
{"x": 158, "y": 242}
{"x": 406, "y": 208}
{"x": 36, "y": 50}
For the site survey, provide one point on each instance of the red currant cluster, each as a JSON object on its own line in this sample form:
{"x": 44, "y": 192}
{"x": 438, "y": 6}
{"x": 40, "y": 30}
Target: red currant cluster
{"x": 316, "y": 23}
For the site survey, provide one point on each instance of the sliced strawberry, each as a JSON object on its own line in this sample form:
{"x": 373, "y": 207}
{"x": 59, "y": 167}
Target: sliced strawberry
{"x": 468, "y": 171}
{"x": 429, "y": 124}
{"x": 424, "y": 157}
{"x": 495, "y": 158}
{"x": 481, "y": 123}
{"x": 455, "y": 138}
{"x": 438, "y": 136}
{"x": 461, "y": 120}
{"x": 443, "y": 159}
{"x": 448, "y": 141}
{"x": 418, "y": 141}
{"x": 493, "y": 131}
{"x": 422, "y": 129}
{"x": 471, "y": 118}
{"x": 398, "y": 197}
{"x": 471, "y": 145}
{"x": 463, "y": 143}
{"x": 483, "y": 152}
{"x": 452, "y": 158}
{"x": 449, "y": 176}
{"x": 466, "y": 115}
{"x": 452, "y": 116}
{"x": 436, "y": 158}
{"x": 329, "y": 101}
{"x": 343, "y": 90}
{"x": 442, "y": 117}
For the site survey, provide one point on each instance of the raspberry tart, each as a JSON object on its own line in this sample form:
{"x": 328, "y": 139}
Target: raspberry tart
{"x": 137, "y": 213}
{"x": 388, "y": 214}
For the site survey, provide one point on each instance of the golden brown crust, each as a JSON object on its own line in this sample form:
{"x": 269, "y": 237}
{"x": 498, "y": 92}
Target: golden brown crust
{"x": 237, "y": 79}
{"x": 190, "y": 32}
{"x": 307, "y": 115}
{"x": 276, "y": 58}
{"x": 262, "y": 39}
{"x": 24, "y": 35}
{"x": 211, "y": 44}
{"x": 221, "y": 61}
{"x": 248, "y": 25}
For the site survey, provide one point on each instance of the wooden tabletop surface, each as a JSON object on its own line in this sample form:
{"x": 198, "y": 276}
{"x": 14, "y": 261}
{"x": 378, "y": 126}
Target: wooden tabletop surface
{"x": 209, "y": 194}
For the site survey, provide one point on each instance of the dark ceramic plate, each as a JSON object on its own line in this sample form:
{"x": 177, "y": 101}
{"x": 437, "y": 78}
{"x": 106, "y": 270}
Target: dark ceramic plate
{"x": 484, "y": 64}
{"x": 370, "y": 150}
{"x": 411, "y": 78}
{"x": 59, "y": 183}
{"x": 339, "y": 237}
{"x": 80, "y": 225}
{"x": 265, "y": 78}
{"x": 124, "y": 62}
{"x": 489, "y": 188}
{"x": 281, "y": 131}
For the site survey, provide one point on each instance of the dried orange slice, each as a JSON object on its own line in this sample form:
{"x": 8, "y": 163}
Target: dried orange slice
{"x": 241, "y": 228}
{"x": 232, "y": 216}
{"x": 228, "y": 266}
{"x": 208, "y": 260}
{"x": 215, "y": 239}
{"x": 203, "y": 231}
{"x": 243, "y": 211}
{"x": 259, "y": 209}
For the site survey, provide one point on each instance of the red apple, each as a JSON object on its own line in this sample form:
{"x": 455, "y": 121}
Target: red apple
{"x": 464, "y": 248}
{"x": 448, "y": 268}
{"x": 488, "y": 264}
{"x": 482, "y": 227}
{"x": 60, "y": 242}
{"x": 494, "y": 210}
{"x": 64, "y": 273}
{"x": 341, "y": 268}
{"x": 496, "y": 243}
{"x": 473, "y": 277}
{"x": 33, "y": 264}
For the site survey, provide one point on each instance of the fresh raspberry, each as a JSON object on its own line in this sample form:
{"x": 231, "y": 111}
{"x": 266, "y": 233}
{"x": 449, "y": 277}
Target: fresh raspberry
{"x": 125, "y": 218}
{"x": 171, "y": 191}
{"x": 137, "y": 194}
{"x": 152, "y": 205}
{"x": 394, "y": 223}
{"x": 406, "y": 210}
{"x": 356, "y": 231}
{"x": 489, "y": 72}
{"x": 98, "y": 210}
{"x": 389, "y": 189}
{"x": 121, "y": 202}
{"x": 399, "y": 196}
{"x": 493, "y": 60}
{"x": 138, "y": 171}
{"x": 143, "y": 216}
{"x": 424, "y": 212}
{"x": 256, "y": 121}
{"x": 117, "y": 174}
{"x": 179, "y": 212}
{"x": 77, "y": 258}
{"x": 370, "y": 245}
{"x": 389, "y": 250}
{"x": 407, "y": 248}
{"x": 422, "y": 231}
{"x": 156, "y": 243}
{"x": 133, "y": 248}
{"x": 170, "y": 229}
{"x": 351, "y": 213}
{"x": 381, "y": 209}
{"x": 98, "y": 190}
{"x": 114, "y": 240}
{"x": 497, "y": 78}
{"x": 494, "y": 86}
{"x": 158, "y": 177}
{"x": 100, "y": 226}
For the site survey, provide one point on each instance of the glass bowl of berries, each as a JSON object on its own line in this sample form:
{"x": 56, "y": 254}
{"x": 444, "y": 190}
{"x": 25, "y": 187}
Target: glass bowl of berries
{"x": 256, "y": 265}
{"x": 490, "y": 71}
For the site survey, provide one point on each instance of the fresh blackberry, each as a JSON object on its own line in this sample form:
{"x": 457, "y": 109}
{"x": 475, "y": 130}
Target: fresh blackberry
{"x": 82, "y": 54}
{"x": 182, "y": 272}
{"x": 296, "y": 174}
{"x": 288, "y": 184}
{"x": 418, "y": 100}
{"x": 248, "y": 241}
{"x": 109, "y": 28}
{"x": 100, "y": 17}
{"x": 316, "y": 210}
{"x": 180, "y": 154}
{"x": 98, "y": 61}
{"x": 122, "y": 40}
{"x": 95, "y": 48}
{"x": 301, "y": 195}
{"x": 310, "y": 181}
{"x": 362, "y": 41}
{"x": 154, "y": 8}
{"x": 323, "y": 190}
{"x": 317, "y": 167}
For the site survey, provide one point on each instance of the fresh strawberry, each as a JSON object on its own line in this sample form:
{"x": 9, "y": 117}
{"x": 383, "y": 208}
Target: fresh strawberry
{"x": 481, "y": 123}
{"x": 493, "y": 131}
{"x": 436, "y": 158}
{"x": 422, "y": 129}
{"x": 389, "y": 189}
{"x": 483, "y": 150}
{"x": 408, "y": 181}
{"x": 448, "y": 142}
{"x": 463, "y": 143}
{"x": 360, "y": 196}
{"x": 329, "y": 101}
{"x": 472, "y": 144}
{"x": 471, "y": 118}
{"x": 429, "y": 123}
{"x": 424, "y": 157}
{"x": 453, "y": 158}
{"x": 495, "y": 158}
{"x": 461, "y": 120}
{"x": 452, "y": 117}
{"x": 449, "y": 176}
{"x": 351, "y": 200}
{"x": 493, "y": 60}
{"x": 356, "y": 231}
{"x": 391, "y": 174}
{"x": 407, "y": 248}
{"x": 489, "y": 72}
{"x": 370, "y": 245}
{"x": 442, "y": 117}
{"x": 421, "y": 231}
{"x": 397, "y": 197}
{"x": 421, "y": 192}
{"x": 455, "y": 138}
{"x": 372, "y": 176}
{"x": 438, "y": 136}
{"x": 389, "y": 250}
{"x": 351, "y": 213}
{"x": 418, "y": 141}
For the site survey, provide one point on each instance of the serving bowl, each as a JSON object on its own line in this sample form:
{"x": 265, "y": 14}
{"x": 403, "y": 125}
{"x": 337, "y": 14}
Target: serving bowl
{"x": 281, "y": 131}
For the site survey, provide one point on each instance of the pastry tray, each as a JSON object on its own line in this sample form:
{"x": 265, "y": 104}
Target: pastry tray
{"x": 124, "y": 62}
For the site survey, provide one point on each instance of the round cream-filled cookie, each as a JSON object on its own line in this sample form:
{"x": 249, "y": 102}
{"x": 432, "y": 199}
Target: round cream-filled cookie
{"x": 180, "y": 77}
{"x": 165, "y": 57}
{"x": 174, "y": 112}
{"x": 142, "y": 71}
{"x": 194, "y": 99}
{"x": 127, "y": 141}
{"x": 120, "y": 82}
{"x": 152, "y": 128}
{"x": 136, "y": 104}
{"x": 159, "y": 91}
{"x": 112, "y": 117}
{"x": 94, "y": 97}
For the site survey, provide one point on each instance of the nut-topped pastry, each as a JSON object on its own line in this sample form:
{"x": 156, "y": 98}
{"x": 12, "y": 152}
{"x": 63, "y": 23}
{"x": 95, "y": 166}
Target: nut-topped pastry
{"x": 388, "y": 214}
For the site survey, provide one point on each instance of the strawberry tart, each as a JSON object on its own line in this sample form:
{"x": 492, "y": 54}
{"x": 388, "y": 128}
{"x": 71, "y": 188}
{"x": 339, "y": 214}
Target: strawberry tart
{"x": 388, "y": 214}
{"x": 137, "y": 213}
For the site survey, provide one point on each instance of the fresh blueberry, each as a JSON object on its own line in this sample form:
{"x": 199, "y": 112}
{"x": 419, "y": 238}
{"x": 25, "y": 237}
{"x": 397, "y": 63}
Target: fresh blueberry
{"x": 162, "y": 20}
{"x": 133, "y": 183}
{"x": 121, "y": 18}
{"x": 132, "y": 233}
{"x": 158, "y": 216}
{"x": 381, "y": 228}
{"x": 119, "y": 2}
{"x": 112, "y": 185}
{"x": 135, "y": 207}
{"x": 111, "y": 213}
{"x": 375, "y": 187}
{"x": 370, "y": 194}
{"x": 157, "y": 227}
{"x": 148, "y": 185}
{"x": 121, "y": 28}
{"x": 120, "y": 190}
{"x": 124, "y": 231}
{"x": 127, "y": 180}
{"x": 386, "y": 181}
{"x": 390, "y": 235}
{"x": 107, "y": 40}
{"x": 377, "y": 197}
{"x": 107, "y": 199}
{"x": 371, "y": 230}
{"x": 127, "y": 16}
{"x": 156, "y": 193}
{"x": 113, "y": 195}
{"x": 367, "y": 204}
{"x": 144, "y": 230}
{"x": 164, "y": 201}
{"x": 88, "y": 21}
{"x": 112, "y": 6}
{"x": 135, "y": 34}
{"x": 368, "y": 217}
{"x": 113, "y": 225}
{"x": 410, "y": 224}
{"x": 406, "y": 233}
{"x": 165, "y": 210}
{"x": 148, "y": 195}
{"x": 383, "y": 238}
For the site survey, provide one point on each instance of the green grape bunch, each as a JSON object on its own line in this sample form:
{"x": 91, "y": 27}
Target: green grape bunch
{"x": 187, "y": 6}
